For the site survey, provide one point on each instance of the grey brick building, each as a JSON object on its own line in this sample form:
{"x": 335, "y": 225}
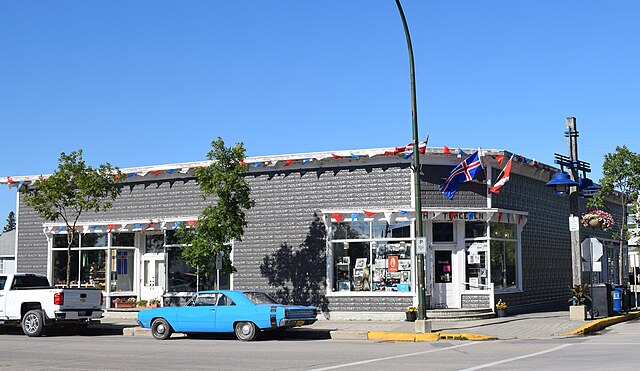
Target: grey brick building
{"x": 333, "y": 229}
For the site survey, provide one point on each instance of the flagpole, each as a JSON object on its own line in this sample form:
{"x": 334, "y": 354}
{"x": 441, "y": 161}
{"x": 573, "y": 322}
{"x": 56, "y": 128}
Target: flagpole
{"x": 422, "y": 310}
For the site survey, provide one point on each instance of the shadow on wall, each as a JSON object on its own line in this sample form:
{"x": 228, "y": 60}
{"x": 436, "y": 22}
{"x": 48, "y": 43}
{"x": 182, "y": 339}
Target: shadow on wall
{"x": 298, "y": 275}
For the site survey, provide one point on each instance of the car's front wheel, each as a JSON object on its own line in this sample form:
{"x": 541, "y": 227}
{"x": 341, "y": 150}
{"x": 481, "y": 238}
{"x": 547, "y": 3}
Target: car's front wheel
{"x": 161, "y": 329}
{"x": 246, "y": 331}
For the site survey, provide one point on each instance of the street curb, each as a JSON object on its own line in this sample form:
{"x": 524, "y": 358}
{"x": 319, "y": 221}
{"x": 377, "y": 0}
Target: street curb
{"x": 433, "y": 336}
{"x": 599, "y": 324}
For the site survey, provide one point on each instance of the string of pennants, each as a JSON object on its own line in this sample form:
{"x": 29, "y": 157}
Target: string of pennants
{"x": 446, "y": 215}
{"x": 134, "y": 226}
{"x": 404, "y": 152}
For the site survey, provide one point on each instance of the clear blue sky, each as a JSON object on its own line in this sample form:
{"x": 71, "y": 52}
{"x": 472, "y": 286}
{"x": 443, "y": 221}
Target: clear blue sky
{"x": 139, "y": 83}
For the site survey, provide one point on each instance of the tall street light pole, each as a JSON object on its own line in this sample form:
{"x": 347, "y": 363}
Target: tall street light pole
{"x": 416, "y": 170}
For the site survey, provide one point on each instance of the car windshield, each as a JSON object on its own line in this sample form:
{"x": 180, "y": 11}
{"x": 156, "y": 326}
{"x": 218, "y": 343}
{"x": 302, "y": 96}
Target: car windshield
{"x": 259, "y": 297}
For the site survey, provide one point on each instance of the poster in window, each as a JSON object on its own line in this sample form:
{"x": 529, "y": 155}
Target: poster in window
{"x": 392, "y": 263}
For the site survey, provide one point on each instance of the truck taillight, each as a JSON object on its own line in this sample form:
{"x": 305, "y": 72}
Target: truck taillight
{"x": 58, "y": 298}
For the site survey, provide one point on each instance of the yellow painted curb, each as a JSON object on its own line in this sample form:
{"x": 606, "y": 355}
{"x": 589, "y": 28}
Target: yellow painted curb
{"x": 432, "y": 336}
{"x": 472, "y": 337}
{"x": 599, "y": 324}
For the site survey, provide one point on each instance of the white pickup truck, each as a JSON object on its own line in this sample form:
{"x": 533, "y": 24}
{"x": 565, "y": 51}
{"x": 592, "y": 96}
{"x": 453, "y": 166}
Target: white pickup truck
{"x": 30, "y": 301}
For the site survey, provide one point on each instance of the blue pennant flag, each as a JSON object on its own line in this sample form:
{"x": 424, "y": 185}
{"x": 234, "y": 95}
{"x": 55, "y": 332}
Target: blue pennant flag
{"x": 461, "y": 152}
{"x": 470, "y": 216}
{"x": 137, "y": 225}
{"x": 94, "y": 227}
{"x": 464, "y": 172}
{"x": 306, "y": 161}
{"x": 403, "y": 212}
{"x": 353, "y": 155}
{"x": 60, "y": 229}
{"x": 170, "y": 171}
{"x": 256, "y": 164}
{"x": 131, "y": 175}
{"x": 354, "y": 217}
{"x": 176, "y": 225}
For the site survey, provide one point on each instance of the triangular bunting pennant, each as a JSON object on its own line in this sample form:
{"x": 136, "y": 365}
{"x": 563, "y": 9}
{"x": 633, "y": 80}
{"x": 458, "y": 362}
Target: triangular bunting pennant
{"x": 446, "y": 150}
{"x": 499, "y": 217}
{"x": 337, "y": 217}
{"x": 500, "y": 159}
{"x": 368, "y": 213}
{"x": 288, "y": 162}
{"x": 470, "y": 216}
{"x": 354, "y": 217}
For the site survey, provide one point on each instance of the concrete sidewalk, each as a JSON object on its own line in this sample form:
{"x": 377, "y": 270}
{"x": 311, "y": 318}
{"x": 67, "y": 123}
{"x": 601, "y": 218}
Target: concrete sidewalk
{"x": 522, "y": 326}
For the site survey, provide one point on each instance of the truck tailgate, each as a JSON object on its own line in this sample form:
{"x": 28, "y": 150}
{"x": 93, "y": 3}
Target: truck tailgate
{"x": 81, "y": 299}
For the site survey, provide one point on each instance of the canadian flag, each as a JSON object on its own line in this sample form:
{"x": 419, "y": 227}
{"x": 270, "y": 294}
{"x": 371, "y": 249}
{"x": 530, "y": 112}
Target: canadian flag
{"x": 506, "y": 173}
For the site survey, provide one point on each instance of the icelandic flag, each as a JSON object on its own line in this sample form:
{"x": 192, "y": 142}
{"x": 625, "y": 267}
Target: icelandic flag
{"x": 506, "y": 173}
{"x": 464, "y": 172}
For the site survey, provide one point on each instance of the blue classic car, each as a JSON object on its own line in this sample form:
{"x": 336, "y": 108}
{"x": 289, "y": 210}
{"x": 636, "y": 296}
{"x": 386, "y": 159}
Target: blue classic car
{"x": 246, "y": 313}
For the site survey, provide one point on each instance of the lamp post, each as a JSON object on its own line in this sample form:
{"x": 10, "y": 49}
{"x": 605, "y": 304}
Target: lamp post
{"x": 576, "y": 187}
{"x": 422, "y": 313}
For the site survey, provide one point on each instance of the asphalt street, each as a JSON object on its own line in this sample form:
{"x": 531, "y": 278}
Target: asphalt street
{"x": 613, "y": 348}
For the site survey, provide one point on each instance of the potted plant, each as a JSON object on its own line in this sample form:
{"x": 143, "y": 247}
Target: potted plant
{"x": 597, "y": 219}
{"x": 411, "y": 314}
{"x": 153, "y": 303}
{"x": 125, "y": 302}
{"x": 578, "y": 309}
{"x": 501, "y": 308}
{"x": 141, "y": 303}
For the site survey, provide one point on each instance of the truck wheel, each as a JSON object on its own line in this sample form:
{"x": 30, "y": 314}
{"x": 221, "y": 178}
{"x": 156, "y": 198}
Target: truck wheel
{"x": 246, "y": 331}
{"x": 33, "y": 323}
{"x": 161, "y": 329}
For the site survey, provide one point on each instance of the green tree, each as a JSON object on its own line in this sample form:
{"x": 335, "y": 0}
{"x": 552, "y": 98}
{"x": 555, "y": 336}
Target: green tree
{"x": 73, "y": 189}
{"x": 224, "y": 220}
{"x": 620, "y": 178}
{"x": 11, "y": 222}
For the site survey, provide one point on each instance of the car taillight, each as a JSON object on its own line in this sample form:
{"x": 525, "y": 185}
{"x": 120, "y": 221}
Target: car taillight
{"x": 58, "y": 298}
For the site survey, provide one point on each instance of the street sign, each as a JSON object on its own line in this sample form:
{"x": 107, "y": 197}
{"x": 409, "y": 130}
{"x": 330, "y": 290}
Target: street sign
{"x": 219, "y": 260}
{"x": 421, "y": 245}
{"x": 574, "y": 224}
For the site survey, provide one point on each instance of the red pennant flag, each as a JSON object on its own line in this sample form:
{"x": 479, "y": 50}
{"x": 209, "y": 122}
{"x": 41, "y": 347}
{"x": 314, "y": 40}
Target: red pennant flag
{"x": 452, "y": 215}
{"x": 422, "y": 150}
{"x": 289, "y": 162}
{"x": 520, "y": 158}
{"x": 500, "y": 159}
{"x": 242, "y": 162}
{"x": 156, "y": 172}
{"x": 337, "y": 217}
{"x": 506, "y": 173}
{"x": 191, "y": 223}
{"x": 111, "y": 227}
{"x": 336, "y": 156}
{"x": 368, "y": 213}
{"x": 446, "y": 151}
{"x": 11, "y": 181}
{"x": 499, "y": 217}
{"x": 150, "y": 225}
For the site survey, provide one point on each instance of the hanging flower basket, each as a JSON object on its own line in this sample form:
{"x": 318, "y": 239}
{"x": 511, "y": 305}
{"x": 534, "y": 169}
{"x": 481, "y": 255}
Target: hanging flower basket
{"x": 597, "y": 219}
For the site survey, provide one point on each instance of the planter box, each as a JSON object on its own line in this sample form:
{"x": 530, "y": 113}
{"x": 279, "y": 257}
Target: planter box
{"x": 578, "y": 312}
{"x": 125, "y": 305}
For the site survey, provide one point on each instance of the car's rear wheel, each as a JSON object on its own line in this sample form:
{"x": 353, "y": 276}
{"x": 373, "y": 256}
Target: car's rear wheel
{"x": 246, "y": 331}
{"x": 161, "y": 329}
{"x": 33, "y": 323}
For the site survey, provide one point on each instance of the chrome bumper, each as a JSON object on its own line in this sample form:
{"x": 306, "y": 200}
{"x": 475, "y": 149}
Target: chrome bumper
{"x": 297, "y": 322}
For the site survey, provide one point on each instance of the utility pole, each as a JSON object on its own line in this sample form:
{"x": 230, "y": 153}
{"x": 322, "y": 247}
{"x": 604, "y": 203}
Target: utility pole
{"x": 576, "y": 252}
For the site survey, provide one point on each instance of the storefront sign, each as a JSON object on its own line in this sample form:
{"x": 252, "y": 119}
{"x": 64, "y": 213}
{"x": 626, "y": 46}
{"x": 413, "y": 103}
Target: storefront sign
{"x": 392, "y": 263}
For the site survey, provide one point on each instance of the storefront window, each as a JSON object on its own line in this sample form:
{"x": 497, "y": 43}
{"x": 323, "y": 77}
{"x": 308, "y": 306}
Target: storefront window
{"x": 94, "y": 240}
{"x": 123, "y": 239}
{"x": 475, "y": 229}
{"x": 93, "y": 268}
{"x": 60, "y": 267}
{"x": 476, "y": 255}
{"x": 381, "y": 263}
{"x": 154, "y": 243}
{"x": 442, "y": 232}
{"x": 499, "y": 230}
{"x": 122, "y": 270}
{"x": 503, "y": 264}
{"x": 182, "y": 277}
{"x": 60, "y": 241}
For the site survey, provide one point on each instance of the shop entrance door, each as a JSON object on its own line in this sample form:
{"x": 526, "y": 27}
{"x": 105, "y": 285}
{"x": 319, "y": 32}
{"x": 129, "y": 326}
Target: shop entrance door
{"x": 154, "y": 275}
{"x": 444, "y": 280}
